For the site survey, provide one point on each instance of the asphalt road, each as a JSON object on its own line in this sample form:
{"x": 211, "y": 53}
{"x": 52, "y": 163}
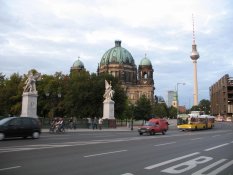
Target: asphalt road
{"x": 121, "y": 153}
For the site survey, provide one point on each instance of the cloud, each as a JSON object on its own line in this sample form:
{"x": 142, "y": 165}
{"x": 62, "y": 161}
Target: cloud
{"x": 49, "y": 35}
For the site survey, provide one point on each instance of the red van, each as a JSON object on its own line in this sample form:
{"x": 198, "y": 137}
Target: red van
{"x": 154, "y": 126}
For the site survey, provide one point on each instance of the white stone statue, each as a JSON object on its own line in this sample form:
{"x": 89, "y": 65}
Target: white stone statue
{"x": 108, "y": 91}
{"x": 30, "y": 83}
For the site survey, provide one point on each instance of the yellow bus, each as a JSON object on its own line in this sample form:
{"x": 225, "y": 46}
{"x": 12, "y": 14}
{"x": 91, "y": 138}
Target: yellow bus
{"x": 194, "y": 122}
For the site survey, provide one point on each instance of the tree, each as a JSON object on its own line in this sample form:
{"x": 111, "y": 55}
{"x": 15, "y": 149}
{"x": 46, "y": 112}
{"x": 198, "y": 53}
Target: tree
{"x": 129, "y": 110}
{"x": 143, "y": 108}
{"x": 51, "y": 90}
{"x": 3, "y": 99}
{"x": 172, "y": 112}
{"x": 160, "y": 110}
{"x": 195, "y": 108}
{"x": 81, "y": 95}
{"x": 13, "y": 94}
{"x": 84, "y": 96}
{"x": 204, "y": 105}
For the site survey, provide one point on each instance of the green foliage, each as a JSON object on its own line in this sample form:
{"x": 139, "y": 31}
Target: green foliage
{"x": 81, "y": 97}
{"x": 204, "y": 105}
{"x": 172, "y": 112}
{"x": 3, "y": 98}
{"x": 142, "y": 108}
{"x": 84, "y": 96}
{"x": 195, "y": 108}
{"x": 13, "y": 94}
{"x": 160, "y": 110}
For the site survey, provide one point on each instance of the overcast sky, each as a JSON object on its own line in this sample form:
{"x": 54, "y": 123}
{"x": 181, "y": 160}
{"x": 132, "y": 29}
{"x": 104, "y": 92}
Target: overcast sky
{"x": 49, "y": 35}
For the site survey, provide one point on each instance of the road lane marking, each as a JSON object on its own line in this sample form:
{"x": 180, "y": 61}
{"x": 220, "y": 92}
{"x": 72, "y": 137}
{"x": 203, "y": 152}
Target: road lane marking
{"x": 100, "y": 154}
{"x": 187, "y": 165}
{"x": 215, "y": 147}
{"x": 170, "y": 161}
{"x": 216, "y": 135}
{"x": 127, "y": 174}
{"x": 13, "y": 149}
{"x": 197, "y": 138}
{"x": 10, "y": 168}
{"x": 165, "y": 144}
{"x": 201, "y": 171}
{"x": 221, "y": 168}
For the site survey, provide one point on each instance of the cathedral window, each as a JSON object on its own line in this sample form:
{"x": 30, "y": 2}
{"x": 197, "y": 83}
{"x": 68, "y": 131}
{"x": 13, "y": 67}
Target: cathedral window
{"x": 145, "y": 75}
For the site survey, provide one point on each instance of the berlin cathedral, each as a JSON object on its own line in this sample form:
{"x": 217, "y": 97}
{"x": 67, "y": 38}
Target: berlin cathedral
{"x": 119, "y": 62}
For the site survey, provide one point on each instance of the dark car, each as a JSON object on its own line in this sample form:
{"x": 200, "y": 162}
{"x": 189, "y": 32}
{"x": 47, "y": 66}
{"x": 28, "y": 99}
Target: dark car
{"x": 20, "y": 127}
{"x": 154, "y": 126}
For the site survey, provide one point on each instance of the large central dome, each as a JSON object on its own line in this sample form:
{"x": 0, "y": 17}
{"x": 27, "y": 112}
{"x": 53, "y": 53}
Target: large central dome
{"x": 117, "y": 55}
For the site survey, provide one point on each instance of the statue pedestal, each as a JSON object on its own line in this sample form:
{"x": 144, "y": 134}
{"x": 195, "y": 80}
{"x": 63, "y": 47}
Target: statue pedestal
{"x": 29, "y": 104}
{"x": 108, "y": 112}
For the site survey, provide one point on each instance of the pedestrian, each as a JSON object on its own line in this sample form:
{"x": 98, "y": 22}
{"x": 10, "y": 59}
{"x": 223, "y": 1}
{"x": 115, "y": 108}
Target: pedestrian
{"x": 71, "y": 126}
{"x": 89, "y": 123}
{"x": 95, "y": 122}
{"x": 60, "y": 123}
{"x": 100, "y": 123}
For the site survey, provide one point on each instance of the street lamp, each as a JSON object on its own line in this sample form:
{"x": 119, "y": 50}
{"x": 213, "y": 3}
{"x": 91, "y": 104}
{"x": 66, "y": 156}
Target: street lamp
{"x": 177, "y": 86}
{"x": 131, "y": 107}
{"x": 54, "y": 99}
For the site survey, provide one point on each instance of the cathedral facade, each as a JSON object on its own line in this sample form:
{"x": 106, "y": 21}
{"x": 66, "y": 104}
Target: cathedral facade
{"x": 119, "y": 62}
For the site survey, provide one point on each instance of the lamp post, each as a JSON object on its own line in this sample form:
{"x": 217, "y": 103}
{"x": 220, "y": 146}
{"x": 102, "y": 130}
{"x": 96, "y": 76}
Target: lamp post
{"x": 177, "y": 87}
{"x": 131, "y": 107}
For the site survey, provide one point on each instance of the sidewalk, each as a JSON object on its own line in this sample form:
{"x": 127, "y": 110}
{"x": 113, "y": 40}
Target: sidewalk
{"x": 95, "y": 130}
{"x": 172, "y": 125}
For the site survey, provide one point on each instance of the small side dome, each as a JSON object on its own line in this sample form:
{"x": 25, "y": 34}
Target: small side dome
{"x": 78, "y": 64}
{"x": 145, "y": 62}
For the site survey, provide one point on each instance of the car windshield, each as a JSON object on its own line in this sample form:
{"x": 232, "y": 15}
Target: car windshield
{"x": 150, "y": 124}
{"x": 3, "y": 121}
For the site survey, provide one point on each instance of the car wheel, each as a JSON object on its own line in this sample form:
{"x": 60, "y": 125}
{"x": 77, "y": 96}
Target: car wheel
{"x": 35, "y": 135}
{"x": 163, "y": 132}
{"x": 140, "y": 133}
{"x": 2, "y": 136}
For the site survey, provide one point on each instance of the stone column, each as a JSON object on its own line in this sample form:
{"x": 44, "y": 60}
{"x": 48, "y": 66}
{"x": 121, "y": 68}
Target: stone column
{"x": 108, "y": 110}
{"x": 29, "y": 104}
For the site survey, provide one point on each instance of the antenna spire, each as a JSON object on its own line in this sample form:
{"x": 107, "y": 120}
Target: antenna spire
{"x": 193, "y": 30}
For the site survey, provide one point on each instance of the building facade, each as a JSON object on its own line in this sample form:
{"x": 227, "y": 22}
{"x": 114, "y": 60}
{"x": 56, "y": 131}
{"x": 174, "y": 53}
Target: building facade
{"x": 118, "y": 62}
{"x": 221, "y": 97}
{"x": 171, "y": 96}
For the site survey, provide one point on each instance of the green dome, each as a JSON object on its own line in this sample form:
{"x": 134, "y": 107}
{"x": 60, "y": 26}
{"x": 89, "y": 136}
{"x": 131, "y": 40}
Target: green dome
{"x": 78, "y": 64}
{"x": 145, "y": 62}
{"x": 117, "y": 55}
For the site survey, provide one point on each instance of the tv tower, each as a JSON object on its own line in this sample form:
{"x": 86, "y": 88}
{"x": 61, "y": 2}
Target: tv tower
{"x": 194, "y": 56}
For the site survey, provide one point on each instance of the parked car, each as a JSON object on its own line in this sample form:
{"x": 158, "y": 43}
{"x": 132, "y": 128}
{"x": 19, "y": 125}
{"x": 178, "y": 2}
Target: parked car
{"x": 154, "y": 126}
{"x": 20, "y": 127}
